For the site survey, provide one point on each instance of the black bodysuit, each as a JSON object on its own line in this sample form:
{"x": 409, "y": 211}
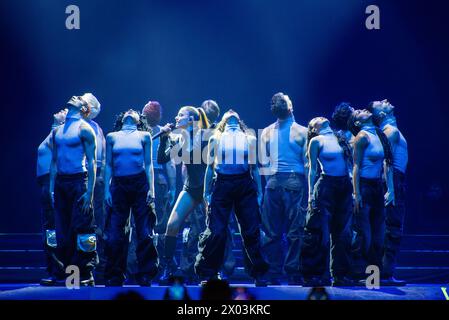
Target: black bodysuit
{"x": 194, "y": 183}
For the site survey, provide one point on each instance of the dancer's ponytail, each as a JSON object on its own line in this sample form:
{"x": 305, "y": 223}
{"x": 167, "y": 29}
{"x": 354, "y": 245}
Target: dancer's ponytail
{"x": 386, "y": 146}
{"x": 203, "y": 122}
{"x": 343, "y": 142}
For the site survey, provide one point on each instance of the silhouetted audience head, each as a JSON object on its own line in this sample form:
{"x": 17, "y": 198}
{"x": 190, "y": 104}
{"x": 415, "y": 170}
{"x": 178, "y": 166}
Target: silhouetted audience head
{"x": 318, "y": 293}
{"x": 129, "y": 295}
{"x": 242, "y": 293}
{"x": 216, "y": 290}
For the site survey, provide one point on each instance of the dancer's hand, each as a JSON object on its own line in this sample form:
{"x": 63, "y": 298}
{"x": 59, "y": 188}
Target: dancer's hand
{"x": 311, "y": 201}
{"x": 150, "y": 198}
{"x": 389, "y": 198}
{"x": 52, "y": 198}
{"x": 167, "y": 129}
{"x": 86, "y": 202}
{"x": 108, "y": 198}
{"x": 207, "y": 198}
{"x": 358, "y": 203}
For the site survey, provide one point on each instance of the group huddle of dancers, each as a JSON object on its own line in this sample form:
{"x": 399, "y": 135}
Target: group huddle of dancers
{"x": 333, "y": 201}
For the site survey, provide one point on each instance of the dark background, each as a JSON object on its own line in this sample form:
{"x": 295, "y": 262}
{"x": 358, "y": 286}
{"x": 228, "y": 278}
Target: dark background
{"x": 237, "y": 52}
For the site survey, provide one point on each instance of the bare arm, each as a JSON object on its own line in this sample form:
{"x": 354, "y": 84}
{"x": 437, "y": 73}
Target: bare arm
{"x": 256, "y": 177}
{"x": 148, "y": 158}
{"x": 264, "y": 150}
{"x": 393, "y": 137}
{"x": 300, "y": 136}
{"x": 313, "y": 152}
{"x": 53, "y": 168}
{"x": 88, "y": 140}
{"x": 388, "y": 176}
{"x": 360, "y": 144}
{"x": 108, "y": 170}
{"x": 252, "y": 146}
{"x": 103, "y": 143}
{"x": 208, "y": 176}
{"x": 303, "y": 143}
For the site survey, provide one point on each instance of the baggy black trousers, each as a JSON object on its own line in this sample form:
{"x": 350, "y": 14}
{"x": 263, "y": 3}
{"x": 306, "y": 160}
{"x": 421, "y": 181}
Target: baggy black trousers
{"x": 196, "y": 225}
{"x": 238, "y": 192}
{"x": 394, "y": 224}
{"x": 162, "y": 207}
{"x": 369, "y": 225}
{"x": 129, "y": 194}
{"x": 328, "y": 229}
{"x": 75, "y": 230}
{"x": 284, "y": 212}
{"x": 54, "y": 266}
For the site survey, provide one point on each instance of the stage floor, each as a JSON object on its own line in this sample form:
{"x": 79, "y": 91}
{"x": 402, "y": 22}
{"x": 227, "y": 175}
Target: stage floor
{"x": 409, "y": 292}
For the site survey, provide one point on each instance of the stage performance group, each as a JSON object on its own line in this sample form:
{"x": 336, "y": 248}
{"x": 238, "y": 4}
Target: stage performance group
{"x": 333, "y": 200}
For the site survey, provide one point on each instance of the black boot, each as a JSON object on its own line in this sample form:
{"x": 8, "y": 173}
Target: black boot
{"x": 87, "y": 280}
{"x": 53, "y": 280}
{"x": 49, "y": 281}
{"x": 167, "y": 261}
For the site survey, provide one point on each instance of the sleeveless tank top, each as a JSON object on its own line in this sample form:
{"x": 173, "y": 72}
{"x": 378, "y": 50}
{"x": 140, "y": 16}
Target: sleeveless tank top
{"x": 373, "y": 157}
{"x": 331, "y": 157}
{"x": 288, "y": 156}
{"x": 232, "y": 152}
{"x": 127, "y": 153}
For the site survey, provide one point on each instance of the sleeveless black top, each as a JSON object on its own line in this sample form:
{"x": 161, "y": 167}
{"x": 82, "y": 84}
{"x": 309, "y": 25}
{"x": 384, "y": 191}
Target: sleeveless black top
{"x": 195, "y": 171}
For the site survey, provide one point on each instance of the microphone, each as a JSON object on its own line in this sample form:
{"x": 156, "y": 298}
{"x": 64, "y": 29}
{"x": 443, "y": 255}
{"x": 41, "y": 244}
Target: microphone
{"x": 157, "y": 135}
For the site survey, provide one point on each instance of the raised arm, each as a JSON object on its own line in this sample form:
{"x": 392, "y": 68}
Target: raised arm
{"x": 88, "y": 140}
{"x": 108, "y": 170}
{"x": 360, "y": 144}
